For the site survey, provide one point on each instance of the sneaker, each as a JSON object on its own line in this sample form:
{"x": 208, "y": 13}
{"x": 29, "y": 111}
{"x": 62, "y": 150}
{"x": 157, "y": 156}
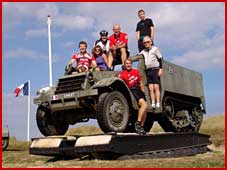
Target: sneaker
{"x": 157, "y": 104}
{"x": 108, "y": 69}
{"x": 139, "y": 129}
{"x": 158, "y": 109}
{"x": 153, "y": 105}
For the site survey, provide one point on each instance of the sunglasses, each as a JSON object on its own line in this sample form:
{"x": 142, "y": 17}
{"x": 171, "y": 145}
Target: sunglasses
{"x": 145, "y": 42}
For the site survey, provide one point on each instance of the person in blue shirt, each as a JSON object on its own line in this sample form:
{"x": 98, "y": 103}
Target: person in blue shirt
{"x": 100, "y": 58}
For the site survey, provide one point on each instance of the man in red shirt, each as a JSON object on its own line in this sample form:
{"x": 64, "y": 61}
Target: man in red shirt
{"x": 84, "y": 59}
{"x": 118, "y": 44}
{"x": 133, "y": 80}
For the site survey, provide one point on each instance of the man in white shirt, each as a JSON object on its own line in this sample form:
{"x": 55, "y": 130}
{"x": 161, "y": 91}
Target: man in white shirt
{"x": 153, "y": 62}
{"x": 103, "y": 42}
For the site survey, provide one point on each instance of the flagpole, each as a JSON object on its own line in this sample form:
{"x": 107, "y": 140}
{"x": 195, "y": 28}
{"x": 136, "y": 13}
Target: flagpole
{"x": 28, "y": 138}
{"x": 49, "y": 43}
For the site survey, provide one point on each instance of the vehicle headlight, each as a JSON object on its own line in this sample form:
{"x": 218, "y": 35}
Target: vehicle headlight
{"x": 43, "y": 90}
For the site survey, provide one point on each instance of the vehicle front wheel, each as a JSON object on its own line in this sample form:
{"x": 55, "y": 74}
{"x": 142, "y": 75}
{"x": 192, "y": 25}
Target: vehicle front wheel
{"x": 112, "y": 112}
{"x": 5, "y": 143}
{"x": 47, "y": 126}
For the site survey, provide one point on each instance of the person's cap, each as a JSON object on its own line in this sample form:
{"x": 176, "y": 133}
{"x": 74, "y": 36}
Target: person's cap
{"x": 103, "y": 33}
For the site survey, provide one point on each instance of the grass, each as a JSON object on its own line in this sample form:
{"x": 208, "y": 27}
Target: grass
{"x": 212, "y": 125}
{"x": 84, "y": 130}
{"x": 215, "y": 127}
{"x": 17, "y": 154}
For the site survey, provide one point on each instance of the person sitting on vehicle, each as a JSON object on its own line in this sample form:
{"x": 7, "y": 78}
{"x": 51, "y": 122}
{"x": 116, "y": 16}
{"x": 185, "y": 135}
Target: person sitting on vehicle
{"x": 118, "y": 45}
{"x": 153, "y": 62}
{"x": 133, "y": 80}
{"x": 84, "y": 60}
{"x": 103, "y": 42}
{"x": 100, "y": 58}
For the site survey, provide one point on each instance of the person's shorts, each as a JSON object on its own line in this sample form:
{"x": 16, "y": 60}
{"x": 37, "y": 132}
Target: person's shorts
{"x": 138, "y": 94}
{"x": 152, "y": 76}
{"x": 117, "y": 58}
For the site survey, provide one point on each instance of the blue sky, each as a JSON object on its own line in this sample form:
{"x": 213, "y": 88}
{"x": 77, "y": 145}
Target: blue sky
{"x": 188, "y": 34}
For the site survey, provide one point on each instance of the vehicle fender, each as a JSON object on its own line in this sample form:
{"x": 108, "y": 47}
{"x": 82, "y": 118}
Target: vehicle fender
{"x": 115, "y": 83}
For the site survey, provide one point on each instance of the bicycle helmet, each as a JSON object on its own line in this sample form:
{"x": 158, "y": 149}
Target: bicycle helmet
{"x": 103, "y": 33}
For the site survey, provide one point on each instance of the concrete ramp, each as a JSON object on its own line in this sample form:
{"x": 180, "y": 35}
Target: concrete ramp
{"x": 122, "y": 145}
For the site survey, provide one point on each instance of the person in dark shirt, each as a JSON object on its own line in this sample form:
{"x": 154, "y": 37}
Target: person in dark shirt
{"x": 144, "y": 28}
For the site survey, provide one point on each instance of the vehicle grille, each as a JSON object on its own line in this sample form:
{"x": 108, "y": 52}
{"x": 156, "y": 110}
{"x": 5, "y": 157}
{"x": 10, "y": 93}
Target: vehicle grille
{"x": 70, "y": 84}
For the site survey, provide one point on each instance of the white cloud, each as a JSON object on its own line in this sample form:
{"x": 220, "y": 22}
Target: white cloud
{"x": 73, "y": 22}
{"x": 36, "y": 33}
{"x": 184, "y": 27}
{"x": 69, "y": 44}
{"x": 26, "y": 53}
{"x": 202, "y": 59}
{"x": 208, "y": 54}
{"x": 31, "y": 33}
{"x": 20, "y": 52}
{"x": 23, "y": 53}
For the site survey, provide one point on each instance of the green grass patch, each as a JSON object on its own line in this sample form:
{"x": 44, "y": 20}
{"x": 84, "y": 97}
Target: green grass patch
{"x": 14, "y": 144}
{"x": 215, "y": 127}
{"x": 17, "y": 154}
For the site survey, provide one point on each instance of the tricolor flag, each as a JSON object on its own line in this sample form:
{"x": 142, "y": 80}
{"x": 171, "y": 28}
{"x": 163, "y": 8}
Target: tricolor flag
{"x": 22, "y": 89}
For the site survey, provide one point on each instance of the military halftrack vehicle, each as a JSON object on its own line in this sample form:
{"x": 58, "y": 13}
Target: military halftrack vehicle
{"x": 103, "y": 96}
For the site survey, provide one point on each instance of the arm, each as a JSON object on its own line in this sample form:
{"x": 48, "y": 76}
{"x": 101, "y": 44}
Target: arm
{"x": 140, "y": 81}
{"x": 160, "y": 72}
{"x": 160, "y": 60}
{"x": 141, "y": 85}
{"x": 124, "y": 42}
{"x": 112, "y": 45}
{"x": 121, "y": 46}
{"x": 105, "y": 58}
{"x": 94, "y": 64}
{"x": 138, "y": 35}
{"x": 71, "y": 61}
{"x": 151, "y": 24}
{"x": 152, "y": 32}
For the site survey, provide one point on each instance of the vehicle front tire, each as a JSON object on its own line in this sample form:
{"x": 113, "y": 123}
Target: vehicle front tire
{"x": 47, "y": 126}
{"x": 5, "y": 143}
{"x": 112, "y": 112}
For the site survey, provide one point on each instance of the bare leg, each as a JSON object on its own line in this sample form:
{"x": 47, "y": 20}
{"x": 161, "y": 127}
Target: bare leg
{"x": 157, "y": 92}
{"x": 123, "y": 55}
{"x": 152, "y": 95}
{"x": 110, "y": 59}
{"x": 142, "y": 111}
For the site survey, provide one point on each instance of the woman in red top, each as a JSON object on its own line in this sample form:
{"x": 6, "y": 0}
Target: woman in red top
{"x": 133, "y": 80}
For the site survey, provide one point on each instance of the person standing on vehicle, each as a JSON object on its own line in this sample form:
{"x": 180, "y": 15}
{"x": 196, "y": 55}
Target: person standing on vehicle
{"x": 145, "y": 27}
{"x": 84, "y": 59}
{"x": 134, "y": 82}
{"x": 153, "y": 62}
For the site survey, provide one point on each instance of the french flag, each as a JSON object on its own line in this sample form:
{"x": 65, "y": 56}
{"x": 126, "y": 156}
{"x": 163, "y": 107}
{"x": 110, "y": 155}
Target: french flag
{"x": 22, "y": 89}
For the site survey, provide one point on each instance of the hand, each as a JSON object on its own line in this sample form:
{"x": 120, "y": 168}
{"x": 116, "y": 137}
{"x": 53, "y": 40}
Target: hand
{"x": 114, "y": 47}
{"x": 67, "y": 67}
{"x": 160, "y": 72}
